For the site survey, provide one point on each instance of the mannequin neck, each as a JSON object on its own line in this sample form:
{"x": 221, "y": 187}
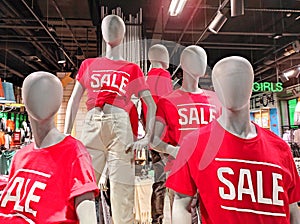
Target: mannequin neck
{"x": 157, "y": 64}
{"x": 113, "y": 53}
{"x": 45, "y": 133}
{"x": 190, "y": 83}
{"x": 238, "y": 123}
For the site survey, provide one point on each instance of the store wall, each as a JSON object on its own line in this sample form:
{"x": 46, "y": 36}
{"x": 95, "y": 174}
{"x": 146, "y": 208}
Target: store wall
{"x": 62, "y": 111}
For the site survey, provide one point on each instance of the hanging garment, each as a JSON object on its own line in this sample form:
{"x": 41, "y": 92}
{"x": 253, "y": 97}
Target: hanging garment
{"x": 5, "y": 161}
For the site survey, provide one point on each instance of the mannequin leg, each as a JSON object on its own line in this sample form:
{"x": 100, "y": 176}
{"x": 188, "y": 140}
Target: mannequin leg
{"x": 121, "y": 170}
{"x": 158, "y": 192}
{"x": 157, "y": 202}
{"x": 91, "y": 138}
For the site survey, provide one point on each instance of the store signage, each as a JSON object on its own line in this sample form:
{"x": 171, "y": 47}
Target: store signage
{"x": 267, "y": 87}
{"x": 262, "y": 100}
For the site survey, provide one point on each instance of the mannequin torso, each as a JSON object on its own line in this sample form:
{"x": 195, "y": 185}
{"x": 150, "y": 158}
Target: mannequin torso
{"x": 234, "y": 144}
{"x": 38, "y": 164}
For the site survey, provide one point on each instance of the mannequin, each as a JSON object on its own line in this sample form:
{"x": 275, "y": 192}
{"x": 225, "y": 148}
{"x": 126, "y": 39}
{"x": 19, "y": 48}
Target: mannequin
{"x": 110, "y": 81}
{"x": 230, "y": 150}
{"x": 39, "y": 165}
{"x": 160, "y": 84}
{"x": 185, "y": 109}
{"x": 193, "y": 62}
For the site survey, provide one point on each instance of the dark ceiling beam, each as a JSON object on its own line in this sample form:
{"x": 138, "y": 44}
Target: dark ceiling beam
{"x": 32, "y": 40}
{"x": 232, "y": 33}
{"x": 236, "y": 44}
{"x": 256, "y": 9}
{"x": 6, "y": 67}
{"x": 67, "y": 25}
{"x": 22, "y": 60}
{"x": 49, "y": 33}
{"x": 273, "y": 64}
{"x": 161, "y": 22}
{"x": 66, "y": 43}
{"x": 34, "y": 27}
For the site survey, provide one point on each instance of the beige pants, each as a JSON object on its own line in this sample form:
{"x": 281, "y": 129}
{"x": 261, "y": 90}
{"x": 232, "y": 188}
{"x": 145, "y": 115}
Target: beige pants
{"x": 106, "y": 137}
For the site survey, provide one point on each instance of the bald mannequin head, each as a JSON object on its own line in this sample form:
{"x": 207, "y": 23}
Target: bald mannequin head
{"x": 42, "y": 94}
{"x": 159, "y": 54}
{"x": 193, "y": 61}
{"x": 232, "y": 79}
{"x": 113, "y": 30}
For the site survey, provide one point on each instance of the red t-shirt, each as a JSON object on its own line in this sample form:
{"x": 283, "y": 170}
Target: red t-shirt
{"x": 43, "y": 183}
{"x": 110, "y": 81}
{"x": 182, "y": 112}
{"x": 160, "y": 84}
{"x": 239, "y": 180}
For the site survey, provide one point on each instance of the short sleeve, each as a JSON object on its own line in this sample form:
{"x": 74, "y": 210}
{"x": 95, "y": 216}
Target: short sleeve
{"x": 137, "y": 83}
{"x": 161, "y": 110}
{"x": 81, "y": 72}
{"x": 180, "y": 178}
{"x": 82, "y": 177}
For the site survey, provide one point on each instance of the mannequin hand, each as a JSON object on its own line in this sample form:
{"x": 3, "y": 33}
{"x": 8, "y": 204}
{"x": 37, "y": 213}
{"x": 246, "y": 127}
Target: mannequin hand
{"x": 102, "y": 183}
{"x": 138, "y": 145}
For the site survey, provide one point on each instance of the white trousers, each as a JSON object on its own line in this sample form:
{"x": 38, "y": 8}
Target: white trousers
{"x": 106, "y": 136}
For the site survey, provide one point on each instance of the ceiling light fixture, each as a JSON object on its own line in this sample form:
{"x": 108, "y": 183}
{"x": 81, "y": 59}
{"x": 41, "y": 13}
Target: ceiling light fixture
{"x": 289, "y": 73}
{"x": 176, "y": 7}
{"x": 61, "y": 57}
{"x": 237, "y": 7}
{"x": 292, "y": 72}
{"x": 217, "y": 22}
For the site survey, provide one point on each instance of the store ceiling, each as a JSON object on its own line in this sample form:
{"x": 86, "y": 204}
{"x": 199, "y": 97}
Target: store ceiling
{"x": 262, "y": 34}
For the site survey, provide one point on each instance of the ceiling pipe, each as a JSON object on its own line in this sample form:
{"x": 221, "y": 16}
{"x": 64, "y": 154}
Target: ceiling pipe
{"x": 33, "y": 40}
{"x": 12, "y": 70}
{"x": 31, "y": 27}
{"x": 256, "y": 9}
{"x": 49, "y": 33}
{"x": 226, "y": 33}
{"x": 28, "y": 63}
{"x": 67, "y": 25}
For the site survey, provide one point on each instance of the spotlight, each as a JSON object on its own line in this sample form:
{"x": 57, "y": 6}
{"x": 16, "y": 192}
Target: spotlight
{"x": 217, "y": 22}
{"x": 61, "y": 57}
{"x": 237, "y": 7}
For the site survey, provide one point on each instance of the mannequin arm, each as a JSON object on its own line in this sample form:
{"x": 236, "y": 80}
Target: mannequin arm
{"x": 294, "y": 213}
{"x": 73, "y": 106}
{"x": 103, "y": 179}
{"x": 85, "y": 208}
{"x": 180, "y": 213}
{"x": 160, "y": 145}
{"x": 147, "y": 98}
